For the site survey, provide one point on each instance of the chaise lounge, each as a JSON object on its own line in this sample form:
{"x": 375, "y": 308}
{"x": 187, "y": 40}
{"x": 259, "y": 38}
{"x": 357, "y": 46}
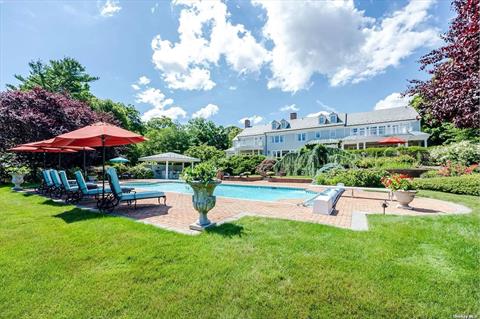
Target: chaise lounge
{"x": 117, "y": 195}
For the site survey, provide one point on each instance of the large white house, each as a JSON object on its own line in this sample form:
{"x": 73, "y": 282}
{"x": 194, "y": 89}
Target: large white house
{"x": 345, "y": 130}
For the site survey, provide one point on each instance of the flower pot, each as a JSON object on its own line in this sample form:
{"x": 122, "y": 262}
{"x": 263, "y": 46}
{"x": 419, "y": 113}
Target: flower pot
{"x": 404, "y": 198}
{"x": 203, "y": 201}
{"x": 17, "y": 179}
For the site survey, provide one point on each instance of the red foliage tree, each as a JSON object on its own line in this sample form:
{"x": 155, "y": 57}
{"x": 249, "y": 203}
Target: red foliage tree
{"x": 452, "y": 94}
{"x": 27, "y": 116}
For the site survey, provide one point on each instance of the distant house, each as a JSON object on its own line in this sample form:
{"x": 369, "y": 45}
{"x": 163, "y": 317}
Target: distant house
{"x": 344, "y": 130}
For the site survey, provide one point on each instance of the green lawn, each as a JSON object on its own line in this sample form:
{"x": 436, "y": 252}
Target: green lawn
{"x": 61, "y": 262}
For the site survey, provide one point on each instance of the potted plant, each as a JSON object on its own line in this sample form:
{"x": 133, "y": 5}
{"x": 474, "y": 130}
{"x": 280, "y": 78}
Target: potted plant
{"x": 18, "y": 173}
{"x": 202, "y": 179}
{"x": 402, "y": 187}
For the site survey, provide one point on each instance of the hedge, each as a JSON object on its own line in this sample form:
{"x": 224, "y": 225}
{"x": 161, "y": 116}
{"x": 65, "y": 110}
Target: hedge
{"x": 466, "y": 184}
{"x": 370, "y": 177}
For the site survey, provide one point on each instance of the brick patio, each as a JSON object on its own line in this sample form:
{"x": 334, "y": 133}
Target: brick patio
{"x": 178, "y": 214}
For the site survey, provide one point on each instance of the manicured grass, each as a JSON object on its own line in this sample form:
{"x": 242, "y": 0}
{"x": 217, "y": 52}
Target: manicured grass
{"x": 61, "y": 262}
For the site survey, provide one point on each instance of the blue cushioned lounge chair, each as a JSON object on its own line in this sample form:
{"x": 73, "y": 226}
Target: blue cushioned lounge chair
{"x": 72, "y": 192}
{"x": 47, "y": 184}
{"x": 84, "y": 190}
{"x": 57, "y": 190}
{"x": 117, "y": 195}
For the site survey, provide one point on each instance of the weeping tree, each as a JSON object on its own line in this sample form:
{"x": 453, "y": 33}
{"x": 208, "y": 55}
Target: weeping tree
{"x": 310, "y": 159}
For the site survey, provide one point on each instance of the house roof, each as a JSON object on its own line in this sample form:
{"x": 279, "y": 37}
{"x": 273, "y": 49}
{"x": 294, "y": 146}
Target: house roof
{"x": 360, "y": 118}
{"x": 170, "y": 157}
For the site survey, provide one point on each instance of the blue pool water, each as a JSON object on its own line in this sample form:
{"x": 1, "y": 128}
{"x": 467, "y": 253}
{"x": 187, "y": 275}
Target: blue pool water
{"x": 262, "y": 193}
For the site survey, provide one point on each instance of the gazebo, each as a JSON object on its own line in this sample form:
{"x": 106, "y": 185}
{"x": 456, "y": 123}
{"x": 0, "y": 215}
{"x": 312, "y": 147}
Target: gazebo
{"x": 169, "y": 158}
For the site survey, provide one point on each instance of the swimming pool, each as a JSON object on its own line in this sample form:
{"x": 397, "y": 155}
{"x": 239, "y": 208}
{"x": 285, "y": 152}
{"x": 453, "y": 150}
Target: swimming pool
{"x": 263, "y": 193}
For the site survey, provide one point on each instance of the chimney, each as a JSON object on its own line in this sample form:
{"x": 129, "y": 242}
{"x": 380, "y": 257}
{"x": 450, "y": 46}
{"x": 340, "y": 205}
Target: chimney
{"x": 247, "y": 123}
{"x": 293, "y": 116}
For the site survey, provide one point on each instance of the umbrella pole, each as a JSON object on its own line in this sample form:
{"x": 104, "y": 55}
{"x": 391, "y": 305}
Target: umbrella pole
{"x": 103, "y": 166}
{"x": 84, "y": 161}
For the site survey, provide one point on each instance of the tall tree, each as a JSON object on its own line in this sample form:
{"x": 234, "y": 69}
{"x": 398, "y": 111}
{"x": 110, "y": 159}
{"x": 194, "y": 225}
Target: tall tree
{"x": 66, "y": 76}
{"x": 127, "y": 115}
{"x": 453, "y": 92}
{"x": 206, "y": 132}
{"x": 232, "y": 132}
{"x": 169, "y": 139}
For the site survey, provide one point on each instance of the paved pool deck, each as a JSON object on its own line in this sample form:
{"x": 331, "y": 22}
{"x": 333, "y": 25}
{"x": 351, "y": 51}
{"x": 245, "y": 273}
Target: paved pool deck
{"x": 351, "y": 212}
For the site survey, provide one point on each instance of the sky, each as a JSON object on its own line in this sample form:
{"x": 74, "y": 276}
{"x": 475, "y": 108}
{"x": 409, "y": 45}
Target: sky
{"x": 231, "y": 60}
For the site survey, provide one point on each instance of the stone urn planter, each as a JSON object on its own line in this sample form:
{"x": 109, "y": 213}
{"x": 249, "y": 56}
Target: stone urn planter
{"x": 203, "y": 201}
{"x": 404, "y": 198}
{"x": 17, "y": 180}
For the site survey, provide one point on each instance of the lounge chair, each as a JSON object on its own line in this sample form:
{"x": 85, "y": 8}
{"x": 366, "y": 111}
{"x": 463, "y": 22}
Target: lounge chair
{"x": 72, "y": 192}
{"x": 118, "y": 195}
{"x": 57, "y": 190}
{"x": 46, "y": 184}
{"x": 85, "y": 190}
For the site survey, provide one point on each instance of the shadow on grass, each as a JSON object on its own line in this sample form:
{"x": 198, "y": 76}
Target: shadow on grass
{"x": 78, "y": 215}
{"x": 226, "y": 230}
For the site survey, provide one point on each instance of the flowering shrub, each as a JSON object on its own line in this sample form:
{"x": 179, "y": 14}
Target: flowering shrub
{"x": 398, "y": 182}
{"x": 465, "y": 153}
{"x": 456, "y": 169}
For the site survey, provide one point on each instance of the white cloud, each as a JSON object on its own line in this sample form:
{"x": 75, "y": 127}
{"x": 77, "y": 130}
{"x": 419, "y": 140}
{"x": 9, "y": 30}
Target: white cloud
{"x": 232, "y": 88}
{"x": 207, "y": 111}
{"x": 393, "y": 100}
{"x": 291, "y": 107}
{"x": 135, "y": 87}
{"x": 158, "y": 100}
{"x": 143, "y": 80}
{"x": 254, "y": 119}
{"x": 318, "y": 113}
{"x": 205, "y": 35}
{"x": 173, "y": 112}
{"x": 326, "y": 107}
{"x": 110, "y": 8}
{"x": 335, "y": 39}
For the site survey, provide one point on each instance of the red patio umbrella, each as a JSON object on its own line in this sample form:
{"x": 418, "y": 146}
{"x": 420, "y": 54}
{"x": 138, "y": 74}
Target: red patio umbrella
{"x": 392, "y": 140}
{"x": 40, "y": 149}
{"x": 48, "y": 143}
{"x": 96, "y": 135}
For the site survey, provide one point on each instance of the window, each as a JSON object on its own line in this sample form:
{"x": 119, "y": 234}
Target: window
{"x": 395, "y": 129}
{"x": 354, "y": 131}
{"x": 361, "y": 131}
{"x": 275, "y": 125}
{"x": 317, "y": 134}
{"x": 381, "y": 130}
{"x": 373, "y": 130}
{"x": 277, "y": 139}
{"x": 333, "y": 118}
{"x": 322, "y": 119}
{"x": 285, "y": 124}
{"x": 301, "y": 137}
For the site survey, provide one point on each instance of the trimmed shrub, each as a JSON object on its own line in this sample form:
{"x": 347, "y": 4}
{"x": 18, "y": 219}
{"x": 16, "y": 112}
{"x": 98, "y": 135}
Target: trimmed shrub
{"x": 237, "y": 164}
{"x": 353, "y": 177}
{"x": 430, "y": 174}
{"x": 466, "y": 184}
{"x": 402, "y": 161}
{"x": 141, "y": 171}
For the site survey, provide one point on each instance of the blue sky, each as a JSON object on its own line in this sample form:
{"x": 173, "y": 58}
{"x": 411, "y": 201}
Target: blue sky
{"x": 230, "y": 60}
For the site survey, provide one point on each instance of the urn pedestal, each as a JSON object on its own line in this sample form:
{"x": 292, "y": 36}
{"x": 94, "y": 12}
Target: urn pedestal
{"x": 404, "y": 198}
{"x": 17, "y": 180}
{"x": 203, "y": 201}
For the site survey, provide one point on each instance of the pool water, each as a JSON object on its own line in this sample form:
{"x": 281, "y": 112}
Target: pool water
{"x": 263, "y": 193}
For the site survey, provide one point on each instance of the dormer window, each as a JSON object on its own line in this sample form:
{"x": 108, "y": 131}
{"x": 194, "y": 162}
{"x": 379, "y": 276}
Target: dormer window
{"x": 284, "y": 124}
{"x": 322, "y": 119}
{"x": 275, "y": 125}
{"x": 333, "y": 118}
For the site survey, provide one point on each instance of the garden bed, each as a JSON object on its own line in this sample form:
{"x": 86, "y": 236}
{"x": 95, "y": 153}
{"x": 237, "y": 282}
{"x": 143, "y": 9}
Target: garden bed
{"x": 254, "y": 178}
{"x": 288, "y": 179}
